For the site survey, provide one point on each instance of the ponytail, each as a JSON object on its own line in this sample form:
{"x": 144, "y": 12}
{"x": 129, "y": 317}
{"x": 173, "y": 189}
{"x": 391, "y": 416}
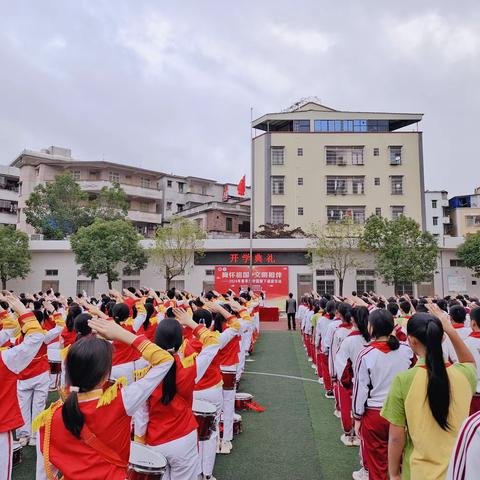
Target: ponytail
{"x": 169, "y": 385}
{"x": 393, "y": 342}
{"x": 438, "y": 389}
{"x": 360, "y": 316}
{"x": 72, "y": 416}
{"x": 428, "y": 330}
{"x": 149, "y": 308}
{"x": 345, "y": 310}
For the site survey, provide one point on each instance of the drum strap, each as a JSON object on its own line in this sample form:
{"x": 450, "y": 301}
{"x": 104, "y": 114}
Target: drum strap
{"x": 107, "y": 453}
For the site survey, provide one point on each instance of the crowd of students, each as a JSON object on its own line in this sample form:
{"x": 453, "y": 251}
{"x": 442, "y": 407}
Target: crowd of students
{"x": 136, "y": 373}
{"x": 402, "y": 374}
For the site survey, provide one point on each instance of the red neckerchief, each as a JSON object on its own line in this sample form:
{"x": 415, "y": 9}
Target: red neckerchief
{"x": 327, "y": 315}
{"x": 345, "y": 325}
{"x": 458, "y": 325}
{"x": 475, "y": 335}
{"x": 353, "y": 333}
{"x": 382, "y": 346}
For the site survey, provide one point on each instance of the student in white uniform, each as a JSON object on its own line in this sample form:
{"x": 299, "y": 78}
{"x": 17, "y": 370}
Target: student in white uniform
{"x": 376, "y": 367}
{"x": 473, "y": 344}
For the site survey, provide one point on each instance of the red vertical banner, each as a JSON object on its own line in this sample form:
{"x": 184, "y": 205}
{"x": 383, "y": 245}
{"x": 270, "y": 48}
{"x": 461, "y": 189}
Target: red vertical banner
{"x": 272, "y": 280}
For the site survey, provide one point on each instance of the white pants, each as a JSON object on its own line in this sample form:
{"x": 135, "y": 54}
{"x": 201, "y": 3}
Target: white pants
{"x": 228, "y": 408}
{"x": 53, "y": 351}
{"x": 6, "y": 455}
{"x": 244, "y": 347}
{"x": 208, "y": 448}
{"x": 32, "y": 398}
{"x": 182, "y": 457}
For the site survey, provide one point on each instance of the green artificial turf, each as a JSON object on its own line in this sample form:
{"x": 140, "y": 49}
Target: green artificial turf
{"x": 296, "y": 438}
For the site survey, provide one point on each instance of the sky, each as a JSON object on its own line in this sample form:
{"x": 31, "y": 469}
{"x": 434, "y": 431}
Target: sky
{"x": 169, "y": 85}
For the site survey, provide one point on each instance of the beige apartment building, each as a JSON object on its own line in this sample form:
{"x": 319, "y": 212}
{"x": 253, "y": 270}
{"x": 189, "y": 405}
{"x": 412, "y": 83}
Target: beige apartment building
{"x": 315, "y": 165}
{"x": 465, "y": 213}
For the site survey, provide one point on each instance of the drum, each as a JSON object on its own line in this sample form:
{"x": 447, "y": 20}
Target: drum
{"x": 237, "y": 424}
{"x": 55, "y": 362}
{"x": 229, "y": 379}
{"x": 145, "y": 464}
{"x": 55, "y": 367}
{"x": 205, "y": 413}
{"x": 17, "y": 454}
{"x": 242, "y": 400}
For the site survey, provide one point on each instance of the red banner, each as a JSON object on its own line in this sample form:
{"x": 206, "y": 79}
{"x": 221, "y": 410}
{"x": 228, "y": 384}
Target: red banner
{"x": 273, "y": 281}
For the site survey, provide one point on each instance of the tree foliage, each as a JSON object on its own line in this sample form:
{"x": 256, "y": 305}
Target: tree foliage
{"x": 14, "y": 255}
{"x": 281, "y": 230}
{"x": 103, "y": 246}
{"x": 176, "y": 245}
{"x": 334, "y": 245}
{"x": 59, "y": 208}
{"x": 469, "y": 252}
{"x": 403, "y": 252}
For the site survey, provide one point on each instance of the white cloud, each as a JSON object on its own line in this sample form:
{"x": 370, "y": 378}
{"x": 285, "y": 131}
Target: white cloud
{"x": 439, "y": 35}
{"x": 310, "y": 41}
{"x": 56, "y": 43}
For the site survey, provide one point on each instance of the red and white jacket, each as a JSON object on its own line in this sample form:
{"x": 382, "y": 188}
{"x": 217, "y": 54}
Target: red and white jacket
{"x": 347, "y": 356}
{"x": 473, "y": 344}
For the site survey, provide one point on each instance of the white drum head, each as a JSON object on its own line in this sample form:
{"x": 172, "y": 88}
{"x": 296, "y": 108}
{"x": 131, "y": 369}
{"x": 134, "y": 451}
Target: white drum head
{"x": 243, "y": 396}
{"x": 144, "y": 456}
{"x": 201, "y": 406}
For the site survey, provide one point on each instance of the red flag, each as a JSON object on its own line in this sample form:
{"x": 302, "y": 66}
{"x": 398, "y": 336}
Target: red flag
{"x": 241, "y": 187}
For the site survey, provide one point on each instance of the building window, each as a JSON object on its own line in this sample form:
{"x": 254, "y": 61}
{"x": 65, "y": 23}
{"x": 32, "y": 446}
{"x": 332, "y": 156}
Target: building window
{"x": 404, "y": 288}
{"x": 278, "y": 185}
{"x": 344, "y": 155}
{"x": 435, "y": 220}
{"x": 351, "y": 126}
{"x": 325, "y": 287}
{"x": 169, "y": 205}
{"x": 209, "y": 272}
{"x": 376, "y": 152}
{"x": 378, "y": 212}
{"x": 474, "y": 282}
{"x": 181, "y": 187}
{"x": 377, "y": 181}
{"x": 300, "y": 152}
{"x": 278, "y": 155}
{"x": 300, "y": 210}
{"x": 278, "y": 215}
{"x": 343, "y": 185}
{"x": 169, "y": 183}
{"x": 434, "y": 203}
{"x": 144, "y": 206}
{"x": 365, "y": 273}
{"x": 472, "y": 220}
{"x": 338, "y": 213}
{"x": 145, "y": 182}
{"x": 131, "y": 283}
{"x": 301, "y": 125}
{"x": 395, "y": 155}
{"x": 300, "y": 181}
{"x": 76, "y": 175}
{"x": 114, "y": 177}
{"x": 180, "y": 207}
{"x": 229, "y": 224}
{"x": 87, "y": 286}
{"x": 397, "y": 211}
{"x": 51, "y": 273}
{"x": 456, "y": 262}
{"x": 365, "y": 285}
{"x": 397, "y": 184}
{"x": 324, "y": 273}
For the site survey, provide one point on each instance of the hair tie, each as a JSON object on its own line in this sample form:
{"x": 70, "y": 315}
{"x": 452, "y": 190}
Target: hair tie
{"x": 171, "y": 350}
{"x": 74, "y": 389}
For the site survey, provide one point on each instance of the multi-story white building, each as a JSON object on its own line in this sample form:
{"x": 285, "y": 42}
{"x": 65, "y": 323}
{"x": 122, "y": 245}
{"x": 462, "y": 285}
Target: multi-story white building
{"x": 437, "y": 217}
{"x": 314, "y": 164}
{"x": 9, "y": 185}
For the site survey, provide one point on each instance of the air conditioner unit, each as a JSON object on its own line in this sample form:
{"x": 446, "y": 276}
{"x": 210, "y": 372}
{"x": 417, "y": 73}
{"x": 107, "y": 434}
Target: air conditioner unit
{"x": 36, "y": 236}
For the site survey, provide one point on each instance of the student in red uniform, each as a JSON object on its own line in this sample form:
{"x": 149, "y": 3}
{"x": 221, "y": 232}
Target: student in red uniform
{"x": 88, "y": 437}
{"x": 34, "y": 380}
{"x": 69, "y": 335}
{"x": 345, "y": 359}
{"x": 473, "y": 344}
{"x": 376, "y": 367}
{"x": 166, "y": 423}
{"x": 12, "y": 362}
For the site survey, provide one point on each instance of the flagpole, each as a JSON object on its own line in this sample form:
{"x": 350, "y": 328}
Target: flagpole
{"x": 251, "y": 198}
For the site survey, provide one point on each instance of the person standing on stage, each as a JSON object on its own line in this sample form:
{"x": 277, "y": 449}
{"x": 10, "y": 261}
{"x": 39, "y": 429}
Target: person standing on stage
{"x": 291, "y": 309}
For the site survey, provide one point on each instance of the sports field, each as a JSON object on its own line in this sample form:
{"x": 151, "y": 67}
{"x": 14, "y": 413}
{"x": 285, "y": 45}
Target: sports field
{"x": 296, "y": 438}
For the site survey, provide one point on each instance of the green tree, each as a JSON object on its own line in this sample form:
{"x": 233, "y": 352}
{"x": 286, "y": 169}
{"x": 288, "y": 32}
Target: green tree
{"x": 403, "y": 252}
{"x": 14, "y": 255}
{"x": 103, "y": 246}
{"x": 59, "y": 208}
{"x": 469, "y": 252}
{"x": 335, "y": 245}
{"x": 175, "y": 247}
{"x": 110, "y": 204}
